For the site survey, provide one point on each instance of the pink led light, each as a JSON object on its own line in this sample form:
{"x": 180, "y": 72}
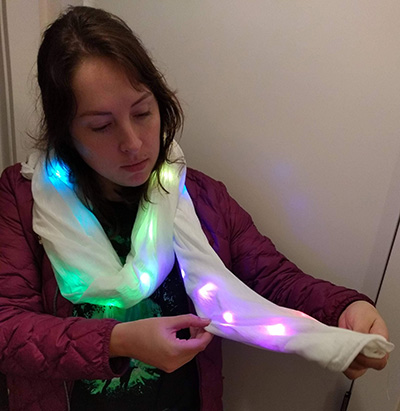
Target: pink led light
{"x": 276, "y": 329}
{"x": 207, "y": 291}
{"x": 228, "y": 317}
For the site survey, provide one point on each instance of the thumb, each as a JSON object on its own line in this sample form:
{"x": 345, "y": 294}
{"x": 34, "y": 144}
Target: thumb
{"x": 379, "y": 327}
{"x": 189, "y": 320}
{"x": 196, "y": 343}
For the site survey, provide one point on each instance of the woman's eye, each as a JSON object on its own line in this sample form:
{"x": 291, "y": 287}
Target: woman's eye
{"x": 144, "y": 114}
{"x": 101, "y": 128}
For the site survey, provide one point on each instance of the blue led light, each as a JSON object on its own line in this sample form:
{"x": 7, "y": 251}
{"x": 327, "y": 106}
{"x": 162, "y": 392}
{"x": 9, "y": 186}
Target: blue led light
{"x": 58, "y": 174}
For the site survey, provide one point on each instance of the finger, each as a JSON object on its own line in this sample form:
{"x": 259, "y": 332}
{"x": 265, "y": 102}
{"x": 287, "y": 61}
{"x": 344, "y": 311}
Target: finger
{"x": 361, "y": 362}
{"x": 197, "y": 344}
{"x": 195, "y": 331}
{"x": 205, "y": 337}
{"x": 189, "y": 320}
{"x": 353, "y": 374}
{"x": 355, "y": 370}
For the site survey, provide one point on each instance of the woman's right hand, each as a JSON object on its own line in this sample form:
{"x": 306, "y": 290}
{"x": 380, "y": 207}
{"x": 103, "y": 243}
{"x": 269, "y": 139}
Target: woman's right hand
{"x": 154, "y": 341}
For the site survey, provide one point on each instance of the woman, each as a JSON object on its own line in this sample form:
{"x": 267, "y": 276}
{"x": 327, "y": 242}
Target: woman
{"x": 110, "y": 119}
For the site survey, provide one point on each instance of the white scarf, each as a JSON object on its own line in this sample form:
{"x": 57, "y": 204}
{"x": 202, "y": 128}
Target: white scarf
{"x": 88, "y": 269}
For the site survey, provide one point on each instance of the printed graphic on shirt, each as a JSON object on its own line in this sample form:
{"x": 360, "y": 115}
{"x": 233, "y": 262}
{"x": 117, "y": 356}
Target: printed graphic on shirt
{"x": 138, "y": 373}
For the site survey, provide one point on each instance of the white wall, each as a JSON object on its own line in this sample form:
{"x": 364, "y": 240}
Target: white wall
{"x": 294, "y": 105}
{"x": 24, "y": 37}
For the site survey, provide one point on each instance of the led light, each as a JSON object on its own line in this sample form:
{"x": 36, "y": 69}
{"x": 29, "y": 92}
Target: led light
{"x": 167, "y": 175}
{"x": 145, "y": 279}
{"x": 59, "y": 170}
{"x": 276, "y": 329}
{"x": 183, "y": 274}
{"x": 151, "y": 230}
{"x": 228, "y": 317}
{"x": 207, "y": 291}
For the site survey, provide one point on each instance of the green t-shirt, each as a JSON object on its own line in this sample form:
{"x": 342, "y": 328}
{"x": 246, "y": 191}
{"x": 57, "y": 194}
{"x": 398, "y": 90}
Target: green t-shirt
{"x": 143, "y": 387}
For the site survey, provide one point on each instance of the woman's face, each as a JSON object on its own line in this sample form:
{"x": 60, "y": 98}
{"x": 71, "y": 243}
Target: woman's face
{"x": 116, "y": 129}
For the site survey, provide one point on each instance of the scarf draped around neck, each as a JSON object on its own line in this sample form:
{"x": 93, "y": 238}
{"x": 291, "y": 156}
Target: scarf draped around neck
{"x": 88, "y": 269}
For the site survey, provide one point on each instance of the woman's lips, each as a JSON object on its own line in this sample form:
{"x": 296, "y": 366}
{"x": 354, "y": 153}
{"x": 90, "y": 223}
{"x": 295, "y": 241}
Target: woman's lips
{"x": 135, "y": 167}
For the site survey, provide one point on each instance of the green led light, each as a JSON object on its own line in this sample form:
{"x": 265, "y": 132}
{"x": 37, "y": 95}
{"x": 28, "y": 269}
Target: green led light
{"x": 148, "y": 261}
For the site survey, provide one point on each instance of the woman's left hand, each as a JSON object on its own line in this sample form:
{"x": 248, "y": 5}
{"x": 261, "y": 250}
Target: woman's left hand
{"x": 363, "y": 317}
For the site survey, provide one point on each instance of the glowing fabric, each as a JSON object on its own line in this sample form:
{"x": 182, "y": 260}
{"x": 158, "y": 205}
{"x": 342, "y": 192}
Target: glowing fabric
{"x": 87, "y": 268}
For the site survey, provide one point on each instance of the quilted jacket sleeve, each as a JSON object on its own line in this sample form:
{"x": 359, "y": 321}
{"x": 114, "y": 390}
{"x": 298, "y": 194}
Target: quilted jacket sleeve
{"x": 255, "y": 260}
{"x": 33, "y": 343}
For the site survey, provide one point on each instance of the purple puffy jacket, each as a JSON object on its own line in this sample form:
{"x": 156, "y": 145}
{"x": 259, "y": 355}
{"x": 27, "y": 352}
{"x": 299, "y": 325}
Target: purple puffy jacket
{"x": 43, "y": 350}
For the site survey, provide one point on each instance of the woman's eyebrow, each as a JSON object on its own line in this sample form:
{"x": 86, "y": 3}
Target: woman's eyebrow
{"x": 105, "y": 113}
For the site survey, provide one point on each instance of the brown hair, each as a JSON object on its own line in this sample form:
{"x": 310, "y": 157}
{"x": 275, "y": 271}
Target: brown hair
{"x": 82, "y": 32}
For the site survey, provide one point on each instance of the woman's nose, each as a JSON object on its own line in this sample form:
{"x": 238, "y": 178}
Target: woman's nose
{"x": 129, "y": 139}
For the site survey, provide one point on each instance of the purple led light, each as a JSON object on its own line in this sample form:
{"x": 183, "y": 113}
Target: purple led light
{"x": 276, "y": 329}
{"x": 228, "y": 317}
{"x": 207, "y": 291}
